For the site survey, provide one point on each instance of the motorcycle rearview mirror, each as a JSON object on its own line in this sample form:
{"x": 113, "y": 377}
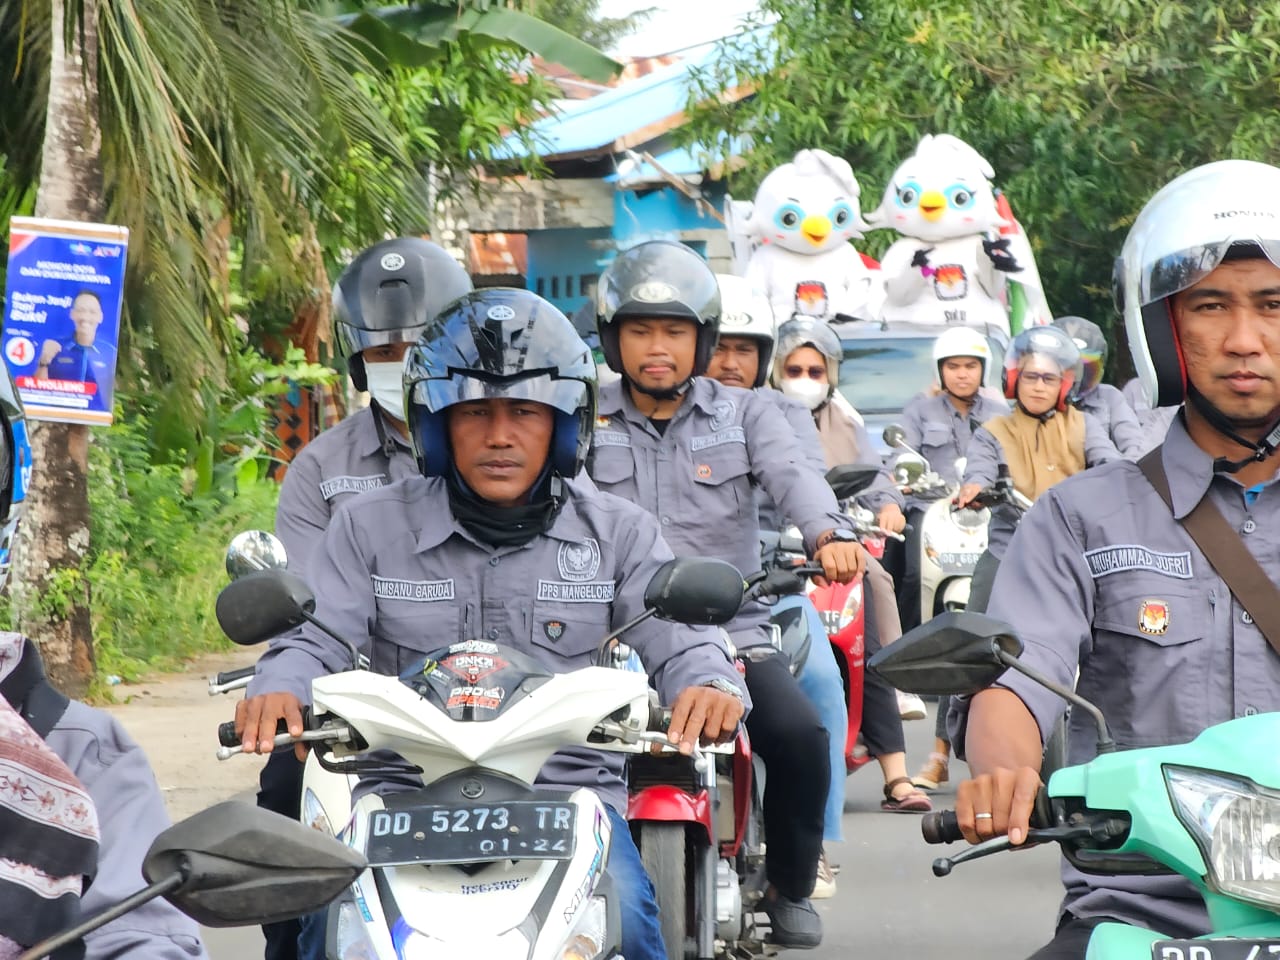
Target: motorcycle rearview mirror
{"x": 266, "y": 603}
{"x": 253, "y": 550}
{"x": 955, "y": 653}
{"x": 212, "y": 867}
{"x": 695, "y": 590}
{"x": 850, "y": 479}
{"x": 959, "y": 653}
{"x": 894, "y": 435}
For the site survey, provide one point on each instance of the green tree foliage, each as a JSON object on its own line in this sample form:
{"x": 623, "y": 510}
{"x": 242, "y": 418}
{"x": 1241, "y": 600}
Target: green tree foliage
{"x": 1083, "y": 107}
{"x": 582, "y": 19}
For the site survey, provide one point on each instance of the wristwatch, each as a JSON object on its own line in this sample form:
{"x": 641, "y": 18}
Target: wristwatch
{"x": 837, "y": 536}
{"x": 725, "y": 686}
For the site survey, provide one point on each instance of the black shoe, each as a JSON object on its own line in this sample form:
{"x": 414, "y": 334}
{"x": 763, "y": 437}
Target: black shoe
{"x": 794, "y": 923}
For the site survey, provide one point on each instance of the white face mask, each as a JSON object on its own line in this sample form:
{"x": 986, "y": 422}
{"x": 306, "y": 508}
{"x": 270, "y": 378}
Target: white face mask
{"x": 386, "y": 385}
{"x": 809, "y": 392}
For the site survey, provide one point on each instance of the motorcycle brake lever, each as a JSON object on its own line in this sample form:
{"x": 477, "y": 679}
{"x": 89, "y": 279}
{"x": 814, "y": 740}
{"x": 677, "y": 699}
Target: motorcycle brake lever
{"x": 1090, "y": 830}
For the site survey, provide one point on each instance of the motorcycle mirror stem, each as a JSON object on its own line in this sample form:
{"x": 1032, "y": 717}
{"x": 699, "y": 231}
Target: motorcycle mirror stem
{"x": 1105, "y": 742}
{"x": 895, "y": 436}
{"x": 165, "y": 885}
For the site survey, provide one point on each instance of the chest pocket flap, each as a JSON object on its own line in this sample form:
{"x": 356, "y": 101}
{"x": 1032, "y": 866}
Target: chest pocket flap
{"x": 612, "y": 464}
{"x": 1155, "y": 609}
{"x": 718, "y": 465}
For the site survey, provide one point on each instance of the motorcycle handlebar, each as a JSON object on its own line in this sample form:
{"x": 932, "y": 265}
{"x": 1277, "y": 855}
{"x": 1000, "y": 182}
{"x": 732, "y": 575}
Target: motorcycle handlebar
{"x": 941, "y": 826}
{"x": 227, "y": 736}
{"x": 231, "y": 676}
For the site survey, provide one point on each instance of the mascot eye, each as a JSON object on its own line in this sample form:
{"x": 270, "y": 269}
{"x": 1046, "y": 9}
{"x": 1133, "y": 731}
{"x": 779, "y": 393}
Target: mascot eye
{"x": 908, "y": 194}
{"x": 789, "y": 217}
{"x": 841, "y": 215}
{"x": 960, "y": 197}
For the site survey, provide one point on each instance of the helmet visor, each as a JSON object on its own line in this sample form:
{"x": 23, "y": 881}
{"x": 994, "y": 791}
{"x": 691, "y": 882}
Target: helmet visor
{"x": 1177, "y": 271}
{"x": 565, "y": 395}
{"x": 358, "y": 339}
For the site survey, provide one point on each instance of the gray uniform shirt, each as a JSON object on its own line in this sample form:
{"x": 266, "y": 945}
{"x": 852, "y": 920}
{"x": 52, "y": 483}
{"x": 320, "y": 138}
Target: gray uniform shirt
{"x": 1154, "y": 422}
{"x": 131, "y": 814}
{"x": 985, "y": 457}
{"x": 800, "y": 419}
{"x": 1108, "y": 406}
{"x": 941, "y": 434}
{"x": 399, "y": 577}
{"x": 343, "y": 461}
{"x": 1096, "y": 551}
{"x": 699, "y": 477}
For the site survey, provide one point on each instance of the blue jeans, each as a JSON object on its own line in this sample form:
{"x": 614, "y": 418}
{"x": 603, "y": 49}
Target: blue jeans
{"x": 822, "y": 684}
{"x": 641, "y": 932}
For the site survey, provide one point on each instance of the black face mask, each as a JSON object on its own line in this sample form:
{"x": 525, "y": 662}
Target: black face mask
{"x": 506, "y": 526}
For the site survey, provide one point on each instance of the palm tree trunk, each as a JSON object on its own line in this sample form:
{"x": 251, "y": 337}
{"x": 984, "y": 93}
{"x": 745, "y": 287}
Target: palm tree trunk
{"x": 51, "y": 591}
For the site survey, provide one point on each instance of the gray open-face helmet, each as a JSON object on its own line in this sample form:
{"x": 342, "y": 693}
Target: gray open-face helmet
{"x": 659, "y": 279}
{"x": 500, "y": 343}
{"x": 808, "y": 332}
{"x": 1181, "y": 236}
{"x": 389, "y": 293}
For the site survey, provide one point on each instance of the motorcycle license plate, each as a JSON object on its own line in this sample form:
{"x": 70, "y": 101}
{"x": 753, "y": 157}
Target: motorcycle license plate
{"x": 1215, "y": 949}
{"x": 958, "y": 559}
{"x": 517, "y": 830}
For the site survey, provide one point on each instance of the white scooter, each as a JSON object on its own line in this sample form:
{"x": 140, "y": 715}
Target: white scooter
{"x": 476, "y": 861}
{"x": 951, "y": 539}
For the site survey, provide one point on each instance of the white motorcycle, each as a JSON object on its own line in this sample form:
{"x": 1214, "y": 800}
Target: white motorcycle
{"x": 951, "y": 539}
{"x": 472, "y": 860}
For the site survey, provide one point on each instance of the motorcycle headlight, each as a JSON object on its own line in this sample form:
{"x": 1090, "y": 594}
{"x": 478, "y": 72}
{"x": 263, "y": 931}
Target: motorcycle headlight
{"x": 587, "y": 941}
{"x": 1236, "y": 824}
{"x": 352, "y": 939}
{"x": 970, "y": 519}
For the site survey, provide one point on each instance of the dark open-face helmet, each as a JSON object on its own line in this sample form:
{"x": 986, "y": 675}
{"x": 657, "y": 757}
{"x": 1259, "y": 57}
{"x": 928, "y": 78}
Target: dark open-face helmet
{"x": 500, "y": 343}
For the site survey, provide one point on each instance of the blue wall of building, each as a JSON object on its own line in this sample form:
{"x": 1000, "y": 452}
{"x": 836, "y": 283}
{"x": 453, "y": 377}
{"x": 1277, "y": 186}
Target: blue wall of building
{"x": 564, "y": 264}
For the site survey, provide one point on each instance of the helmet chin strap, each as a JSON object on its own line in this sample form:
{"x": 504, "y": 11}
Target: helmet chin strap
{"x": 1042, "y": 417}
{"x": 1219, "y": 421}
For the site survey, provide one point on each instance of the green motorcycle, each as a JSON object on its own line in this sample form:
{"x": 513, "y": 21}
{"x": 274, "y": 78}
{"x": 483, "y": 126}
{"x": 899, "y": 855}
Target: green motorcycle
{"x": 1208, "y": 810}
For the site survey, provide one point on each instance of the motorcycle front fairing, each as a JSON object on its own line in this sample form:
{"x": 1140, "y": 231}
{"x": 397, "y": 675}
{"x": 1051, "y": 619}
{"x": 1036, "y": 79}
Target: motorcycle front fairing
{"x": 1183, "y": 815}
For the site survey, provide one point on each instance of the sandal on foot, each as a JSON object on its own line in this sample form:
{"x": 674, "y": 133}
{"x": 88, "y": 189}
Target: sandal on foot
{"x": 913, "y": 802}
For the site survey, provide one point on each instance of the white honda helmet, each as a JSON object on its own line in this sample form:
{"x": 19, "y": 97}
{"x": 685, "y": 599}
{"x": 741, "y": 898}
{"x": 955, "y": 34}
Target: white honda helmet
{"x": 745, "y": 312}
{"x": 961, "y": 342}
{"x": 1179, "y": 238}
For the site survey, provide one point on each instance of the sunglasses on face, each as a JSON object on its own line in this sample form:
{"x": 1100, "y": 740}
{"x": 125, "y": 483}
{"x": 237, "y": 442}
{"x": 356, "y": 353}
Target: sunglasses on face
{"x": 795, "y": 372}
{"x": 1048, "y": 379}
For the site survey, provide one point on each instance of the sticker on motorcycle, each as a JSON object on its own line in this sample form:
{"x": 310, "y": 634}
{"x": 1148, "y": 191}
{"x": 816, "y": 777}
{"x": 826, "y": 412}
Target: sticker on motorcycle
{"x": 1153, "y": 618}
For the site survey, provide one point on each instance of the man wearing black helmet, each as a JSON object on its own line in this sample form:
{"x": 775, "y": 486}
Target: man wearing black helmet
{"x": 381, "y": 303}
{"x": 501, "y": 398}
{"x": 691, "y": 451}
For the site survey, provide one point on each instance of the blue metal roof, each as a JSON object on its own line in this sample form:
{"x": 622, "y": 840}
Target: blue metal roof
{"x": 596, "y": 124}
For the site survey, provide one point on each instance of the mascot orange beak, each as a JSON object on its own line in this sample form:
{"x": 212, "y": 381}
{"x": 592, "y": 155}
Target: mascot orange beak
{"x": 816, "y": 228}
{"x": 932, "y": 205}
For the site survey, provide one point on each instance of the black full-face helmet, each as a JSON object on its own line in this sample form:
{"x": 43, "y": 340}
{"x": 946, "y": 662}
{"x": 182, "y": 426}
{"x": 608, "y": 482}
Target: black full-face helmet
{"x": 662, "y": 279}
{"x": 389, "y": 294}
{"x": 500, "y": 343}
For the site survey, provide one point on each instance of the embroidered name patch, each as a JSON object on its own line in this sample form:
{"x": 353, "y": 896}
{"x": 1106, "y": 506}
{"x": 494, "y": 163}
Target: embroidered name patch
{"x": 732, "y": 435}
{"x": 1130, "y": 556}
{"x": 335, "y": 485}
{"x": 605, "y": 438}
{"x": 417, "y": 591}
{"x": 595, "y": 591}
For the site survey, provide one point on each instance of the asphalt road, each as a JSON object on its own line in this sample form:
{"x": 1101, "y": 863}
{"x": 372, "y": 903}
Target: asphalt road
{"x": 888, "y": 903}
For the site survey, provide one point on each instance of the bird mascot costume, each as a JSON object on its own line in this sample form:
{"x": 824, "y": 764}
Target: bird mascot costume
{"x": 961, "y": 258}
{"x": 792, "y": 242}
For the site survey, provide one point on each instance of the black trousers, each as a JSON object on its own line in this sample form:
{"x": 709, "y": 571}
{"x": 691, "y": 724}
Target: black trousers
{"x": 280, "y": 791}
{"x": 785, "y": 730}
{"x": 881, "y": 719}
{"x": 1071, "y": 939}
{"x": 902, "y": 560}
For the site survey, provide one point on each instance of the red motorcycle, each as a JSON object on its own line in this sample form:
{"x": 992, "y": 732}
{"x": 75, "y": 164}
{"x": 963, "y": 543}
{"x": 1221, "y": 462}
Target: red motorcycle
{"x": 699, "y": 825}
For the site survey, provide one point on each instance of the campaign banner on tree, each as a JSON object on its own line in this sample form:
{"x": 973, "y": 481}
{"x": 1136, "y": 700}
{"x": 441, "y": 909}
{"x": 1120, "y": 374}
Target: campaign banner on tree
{"x": 62, "y": 316}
